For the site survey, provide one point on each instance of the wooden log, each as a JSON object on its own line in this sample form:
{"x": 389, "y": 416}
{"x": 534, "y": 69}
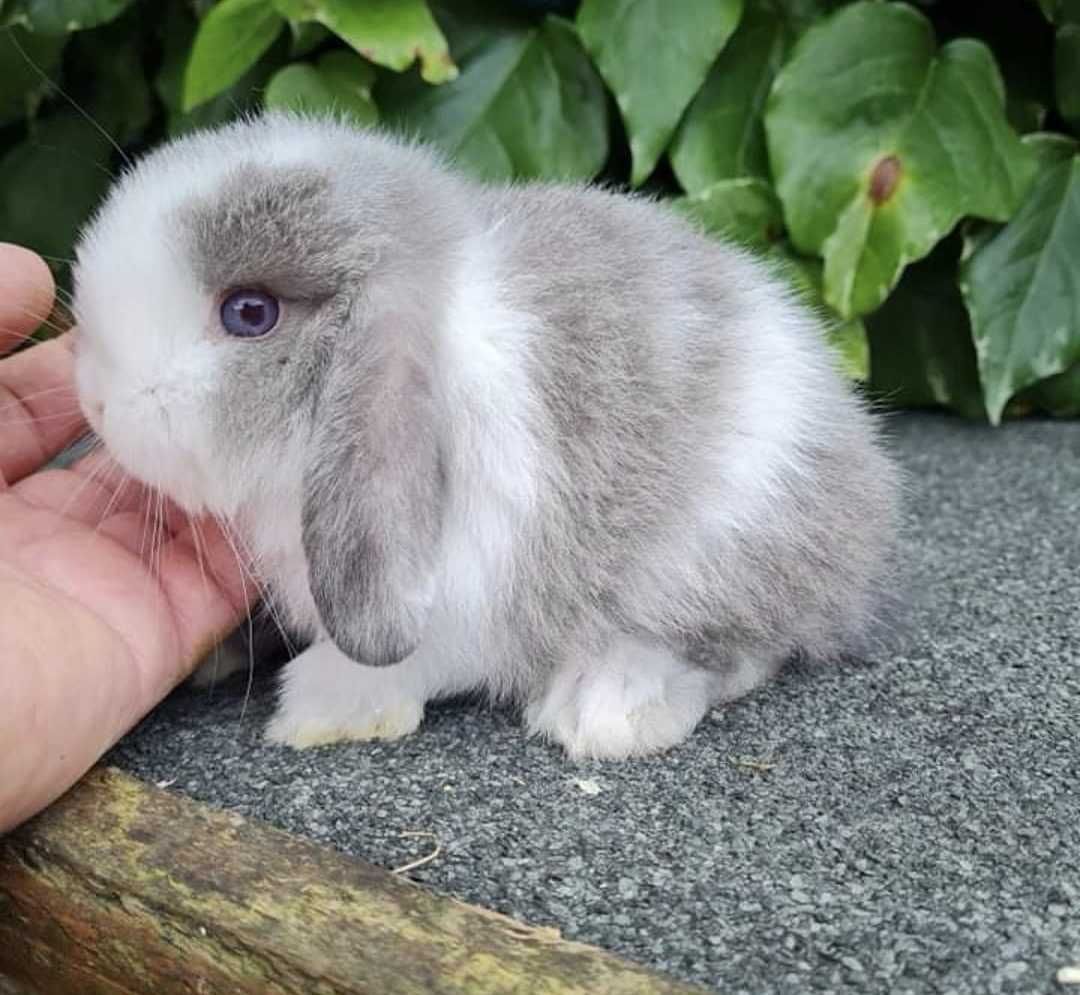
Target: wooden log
{"x": 122, "y": 888}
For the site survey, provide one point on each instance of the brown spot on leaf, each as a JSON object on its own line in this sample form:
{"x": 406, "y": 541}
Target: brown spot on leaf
{"x": 884, "y": 179}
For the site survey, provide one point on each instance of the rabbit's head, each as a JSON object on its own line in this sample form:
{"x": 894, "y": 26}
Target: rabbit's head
{"x": 257, "y": 308}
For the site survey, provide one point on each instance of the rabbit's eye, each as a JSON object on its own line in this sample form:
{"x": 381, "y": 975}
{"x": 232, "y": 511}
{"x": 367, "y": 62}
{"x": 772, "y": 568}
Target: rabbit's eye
{"x": 249, "y": 313}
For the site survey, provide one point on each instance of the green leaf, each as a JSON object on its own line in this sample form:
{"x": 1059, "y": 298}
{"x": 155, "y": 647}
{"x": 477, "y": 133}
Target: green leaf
{"x": 50, "y": 183}
{"x": 744, "y": 210}
{"x": 176, "y": 32}
{"x": 846, "y": 336}
{"x": 798, "y": 15}
{"x": 297, "y": 10}
{"x": 58, "y": 17}
{"x": 391, "y": 33}
{"x": 339, "y": 82}
{"x": 528, "y": 103}
{"x": 722, "y": 135}
{"x": 229, "y": 42}
{"x": 1058, "y": 395}
{"x": 655, "y": 58}
{"x": 849, "y": 341}
{"x": 880, "y": 144}
{"x": 921, "y": 354}
{"x": 28, "y": 69}
{"x": 1022, "y": 283}
{"x": 1067, "y": 73}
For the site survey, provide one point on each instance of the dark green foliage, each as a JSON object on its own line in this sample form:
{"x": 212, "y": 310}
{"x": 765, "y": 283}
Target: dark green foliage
{"x": 910, "y": 166}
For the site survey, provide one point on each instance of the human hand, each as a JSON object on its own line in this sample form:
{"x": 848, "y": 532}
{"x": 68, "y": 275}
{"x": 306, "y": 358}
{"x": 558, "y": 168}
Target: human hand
{"x": 108, "y": 596}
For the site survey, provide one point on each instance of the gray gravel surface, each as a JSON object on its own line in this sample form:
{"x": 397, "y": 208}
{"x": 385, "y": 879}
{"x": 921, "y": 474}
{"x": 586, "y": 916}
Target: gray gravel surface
{"x": 907, "y": 825}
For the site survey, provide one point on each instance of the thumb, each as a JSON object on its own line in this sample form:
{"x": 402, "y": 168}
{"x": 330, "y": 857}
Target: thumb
{"x": 26, "y": 294}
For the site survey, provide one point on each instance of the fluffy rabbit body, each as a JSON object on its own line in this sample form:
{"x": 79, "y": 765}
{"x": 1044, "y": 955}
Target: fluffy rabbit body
{"x": 543, "y": 441}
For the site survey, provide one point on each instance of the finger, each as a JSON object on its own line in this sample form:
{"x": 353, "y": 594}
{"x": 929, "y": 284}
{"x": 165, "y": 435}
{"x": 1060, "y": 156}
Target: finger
{"x": 87, "y": 497}
{"x": 39, "y": 410}
{"x": 209, "y": 587}
{"x": 26, "y": 294}
{"x": 155, "y": 509}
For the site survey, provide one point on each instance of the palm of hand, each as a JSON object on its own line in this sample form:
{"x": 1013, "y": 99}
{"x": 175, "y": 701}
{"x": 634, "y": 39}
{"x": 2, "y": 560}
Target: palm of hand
{"x": 107, "y": 596}
{"x": 132, "y": 576}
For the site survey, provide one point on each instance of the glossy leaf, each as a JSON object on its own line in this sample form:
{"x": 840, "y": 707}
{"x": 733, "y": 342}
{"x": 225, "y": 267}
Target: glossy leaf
{"x": 744, "y": 210}
{"x": 723, "y": 135}
{"x": 654, "y": 61}
{"x": 391, "y": 33}
{"x": 177, "y": 30}
{"x": 847, "y": 336}
{"x": 340, "y": 82}
{"x": 230, "y": 40}
{"x": 879, "y": 144}
{"x": 527, "y": 103}
{"x": 798, "y": 15}
{"x": 57, "y": 17}
{"x": 1022, "y": 283}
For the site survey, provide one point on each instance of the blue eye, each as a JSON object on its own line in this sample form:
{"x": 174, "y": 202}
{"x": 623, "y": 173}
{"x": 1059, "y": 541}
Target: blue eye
{"x": 249, "y": 313}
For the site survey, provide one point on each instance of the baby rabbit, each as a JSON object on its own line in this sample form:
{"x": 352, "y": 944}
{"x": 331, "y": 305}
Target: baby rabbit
{"x": 539, "y": 440}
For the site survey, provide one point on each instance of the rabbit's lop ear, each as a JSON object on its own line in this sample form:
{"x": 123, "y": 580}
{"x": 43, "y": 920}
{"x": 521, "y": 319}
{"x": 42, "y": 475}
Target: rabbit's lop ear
{"x": 373, "y": 497}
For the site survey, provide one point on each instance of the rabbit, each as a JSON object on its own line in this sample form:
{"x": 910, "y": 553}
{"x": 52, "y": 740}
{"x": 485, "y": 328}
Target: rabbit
{"x": 542, "y": 441}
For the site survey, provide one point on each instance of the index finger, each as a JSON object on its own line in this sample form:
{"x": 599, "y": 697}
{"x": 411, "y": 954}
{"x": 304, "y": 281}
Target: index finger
{"x": 39, "y": 410}
{"x": 26, "y": 294}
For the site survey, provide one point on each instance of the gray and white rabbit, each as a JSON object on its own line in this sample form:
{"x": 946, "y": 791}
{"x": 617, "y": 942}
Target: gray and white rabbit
{"x": 542, "y": 441}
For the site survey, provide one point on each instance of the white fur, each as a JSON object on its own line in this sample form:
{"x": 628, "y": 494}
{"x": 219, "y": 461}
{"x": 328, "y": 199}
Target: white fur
{"x": 780, "y": 404}
{"x": 636, "y": 699}
{"x": 326, "y": 697}
{"x": 493, "y": 458}
{"x": 492, "y": 470}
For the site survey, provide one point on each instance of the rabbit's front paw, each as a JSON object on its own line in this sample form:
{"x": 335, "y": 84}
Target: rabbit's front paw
{"x": 637, "y": 699}
{"x": 326, "y": 698}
